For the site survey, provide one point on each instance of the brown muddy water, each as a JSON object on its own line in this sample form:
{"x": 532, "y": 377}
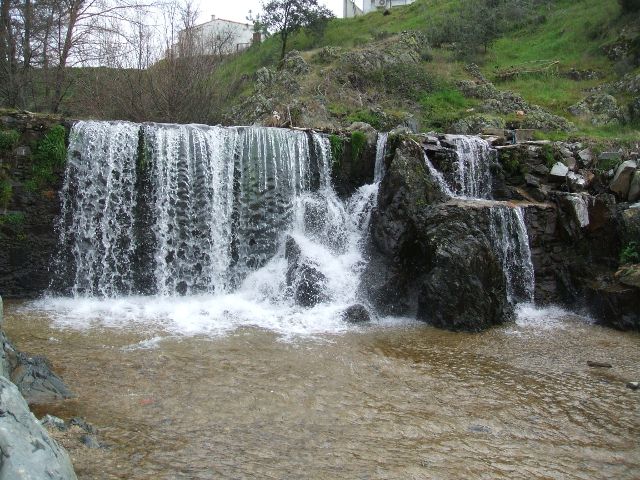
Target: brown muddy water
{"x": 390, "y": 401}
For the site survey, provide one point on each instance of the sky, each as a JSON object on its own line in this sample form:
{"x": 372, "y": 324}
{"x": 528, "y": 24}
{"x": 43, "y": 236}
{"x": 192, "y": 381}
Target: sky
{"x": 238, "y": 9}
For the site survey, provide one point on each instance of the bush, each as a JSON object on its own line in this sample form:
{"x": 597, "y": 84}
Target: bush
{"x": 337, "y": 147}
{"x": 8, "y": 140}
{"x": 49, "y": 155}
{"x": 630, "y": 253}
{"x": 358, "y": 142}
{"x": 630, "y": 5}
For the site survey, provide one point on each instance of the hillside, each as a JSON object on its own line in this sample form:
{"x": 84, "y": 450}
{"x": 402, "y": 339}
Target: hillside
{"x": 567, "y": 68}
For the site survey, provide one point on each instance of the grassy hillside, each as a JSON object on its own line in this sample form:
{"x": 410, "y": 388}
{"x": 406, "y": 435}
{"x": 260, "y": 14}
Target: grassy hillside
{"x": 569, "y": 34}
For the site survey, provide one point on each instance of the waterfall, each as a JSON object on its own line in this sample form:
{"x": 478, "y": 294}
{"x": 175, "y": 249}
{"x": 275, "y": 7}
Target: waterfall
{"x": 472, "y": 181}
{"x": 381, "y": 146}
{"x": 509, "y": 232}
{"x": 189, "y": 209}
{"x": 473, "y": 167}
{"x": 98, "y": 207}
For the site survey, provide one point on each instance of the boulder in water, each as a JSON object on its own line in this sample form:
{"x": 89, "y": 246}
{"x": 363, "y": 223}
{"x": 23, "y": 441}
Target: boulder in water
{"x": 36, "y": 381}
{"x": 306, "y": 282}
{"x": 26, "y": 448}
{"x": 356, "y": 314}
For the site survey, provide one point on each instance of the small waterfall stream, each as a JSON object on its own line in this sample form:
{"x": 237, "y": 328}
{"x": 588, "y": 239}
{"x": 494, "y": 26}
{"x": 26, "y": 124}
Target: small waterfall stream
{"x": 507, "y": 226}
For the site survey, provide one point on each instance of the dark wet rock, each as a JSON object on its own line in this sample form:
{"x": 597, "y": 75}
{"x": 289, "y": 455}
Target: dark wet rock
{"x": 633, "y": 385}
{"x": 306, "y": 282}
{"x": 595, "y": 364}
{"x": 464, "y": 286}
{"x": 615, "y": 304}
{"x": 356, "y": 314}
{"x": 36, "y": 381}
{"x": 26, "y": 449}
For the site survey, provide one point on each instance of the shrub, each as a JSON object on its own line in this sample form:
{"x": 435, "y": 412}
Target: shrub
{"x": 49, "y": 155}
{"x": 337, "y": 147}
{"x": 367, "y": 116}
{"x": 8, "y": 140}
{"x": 630, "y": 253}
{"x": 358, "y": 142}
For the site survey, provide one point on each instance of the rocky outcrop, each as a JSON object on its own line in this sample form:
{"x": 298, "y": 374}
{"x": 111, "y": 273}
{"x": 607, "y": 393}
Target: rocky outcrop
{"x": 26, "y": 449}
{"x": 433, "y": 257}
{"x": 599, "y": 109}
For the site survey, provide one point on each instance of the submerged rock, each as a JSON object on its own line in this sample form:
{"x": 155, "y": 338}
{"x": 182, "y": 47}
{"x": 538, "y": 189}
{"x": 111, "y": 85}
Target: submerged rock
{"x": 36, "y": 381}
{"x": 306, "y": 282}
{"x": 26, "y": 448}
{"x": 356, "y": 314}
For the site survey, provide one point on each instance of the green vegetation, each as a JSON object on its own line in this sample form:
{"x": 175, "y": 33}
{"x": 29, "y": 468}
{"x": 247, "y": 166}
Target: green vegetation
{"x": 630, "y": 253}
{"x": 8, "y": 140}
{"x": 337, "y": 147}
{"x": 444, "y": 106}
{"x": 49, "y": 156}
{"x": 358, "y": 142}
{"x": 367, "y": 116}
{"x": 549, "y": 155}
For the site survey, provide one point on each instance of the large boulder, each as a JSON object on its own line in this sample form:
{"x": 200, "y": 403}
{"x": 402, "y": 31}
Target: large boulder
{"x": 634, "y": 187}
{"x": 433, "y": 257}
{"x": 599, "y": 109}
{"x": 26, "y": 450}
{"x": 622, "y": 179}
{"x": 464, "y": 287}
{"x": 615, "y": 304}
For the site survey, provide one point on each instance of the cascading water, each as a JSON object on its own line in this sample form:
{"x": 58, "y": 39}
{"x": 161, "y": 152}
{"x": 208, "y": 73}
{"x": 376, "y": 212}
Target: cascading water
{"x": 203, "y": 212}
{"x": 512, "y": 246}
{"x": 381, "y": 146}
{"x": 473, "y": 173}
{"x": 98, "y": 208}
{"x": 507, "y": 227}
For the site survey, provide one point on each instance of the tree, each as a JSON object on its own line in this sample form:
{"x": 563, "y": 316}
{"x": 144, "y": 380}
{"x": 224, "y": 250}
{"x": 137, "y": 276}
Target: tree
{"x": 287, "y": 16}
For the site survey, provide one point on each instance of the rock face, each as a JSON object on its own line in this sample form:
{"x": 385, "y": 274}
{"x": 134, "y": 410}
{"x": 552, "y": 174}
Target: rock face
{"x": 36, "y": 381}
{"x": 27, "y": 450}
{"x": 599, "y": 109}
{"x": 431, "y": 258}
{"x": 622, "y": 180}
{"x": 27, "y": 233}
{"x": 464, "y": 286}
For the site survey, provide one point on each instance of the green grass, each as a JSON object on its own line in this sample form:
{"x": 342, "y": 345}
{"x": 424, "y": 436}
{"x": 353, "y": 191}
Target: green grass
{"x": 444, "y": 106}
{"x": 49, "y": 156}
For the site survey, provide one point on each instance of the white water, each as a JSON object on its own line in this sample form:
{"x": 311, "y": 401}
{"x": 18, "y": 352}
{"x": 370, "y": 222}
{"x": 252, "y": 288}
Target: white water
{"x": 216, "y": 205}
{"x": 381, "y": 146}
{"x": 473, "y": 172}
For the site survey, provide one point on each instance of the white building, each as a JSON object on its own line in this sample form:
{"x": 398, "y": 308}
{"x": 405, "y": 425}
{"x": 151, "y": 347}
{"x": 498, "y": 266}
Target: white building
{"x": 217, "y": 37}
{"x": 350, "y": 8}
